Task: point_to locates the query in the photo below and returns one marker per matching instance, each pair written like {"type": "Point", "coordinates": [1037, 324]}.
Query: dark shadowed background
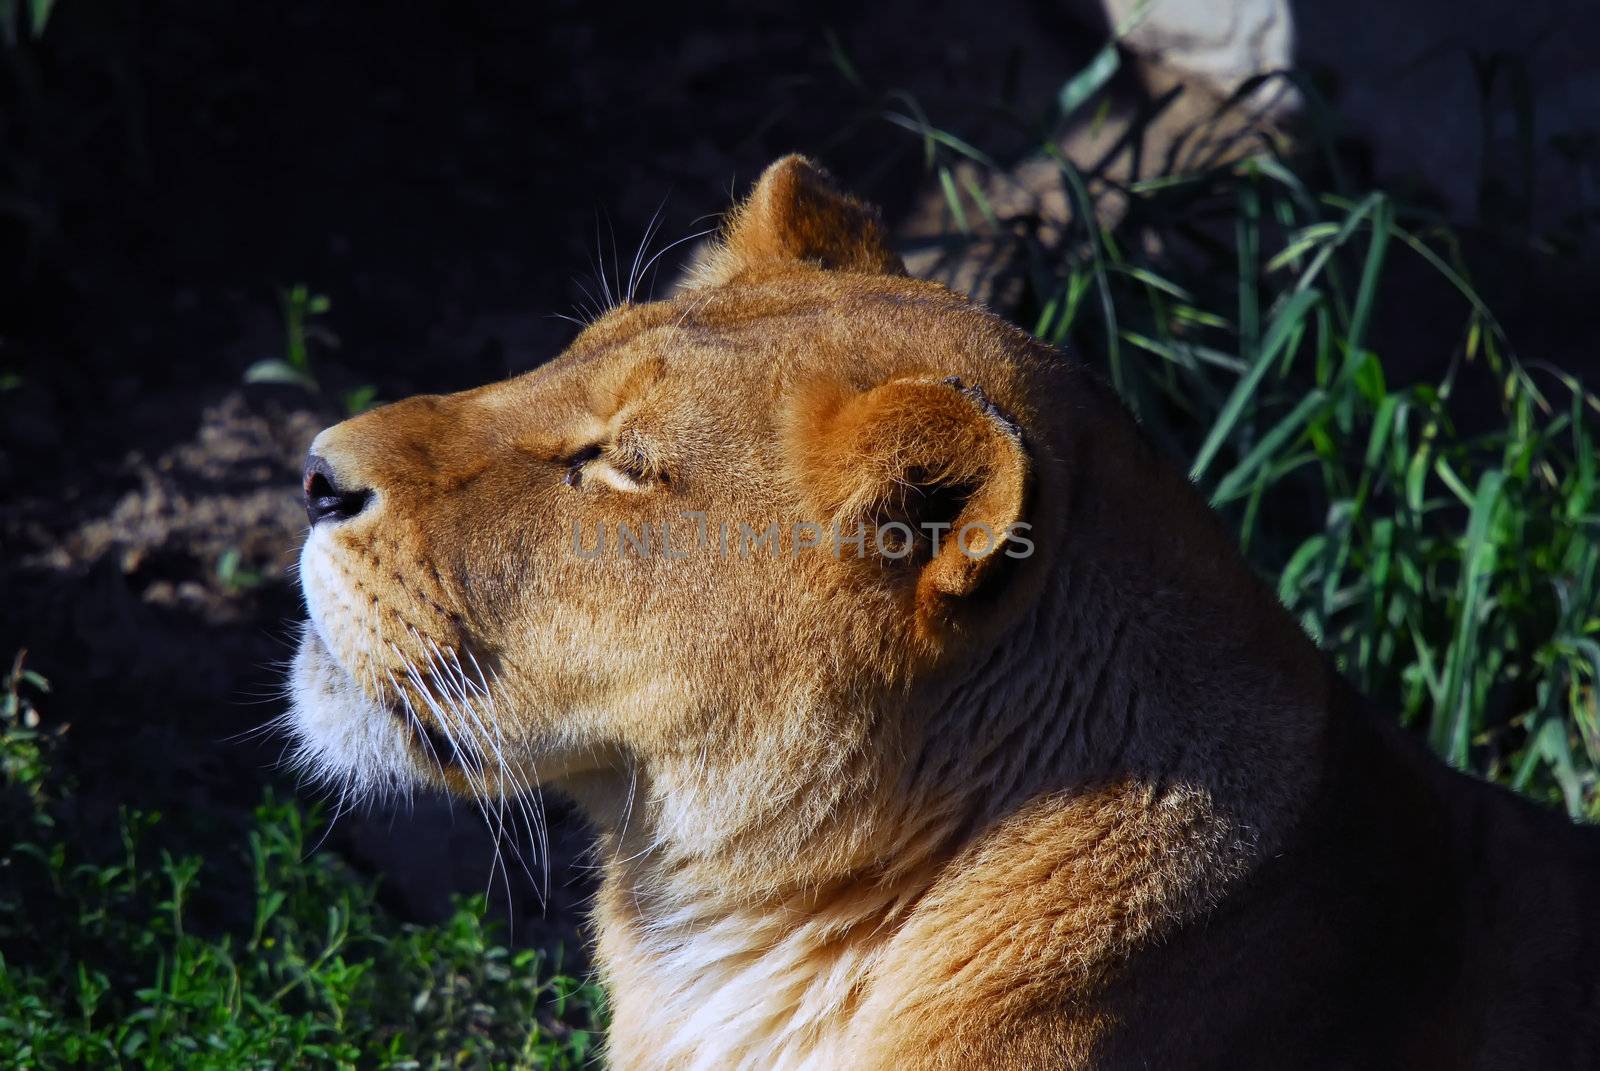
{"type": "Point", "coordinates": [451, 177]}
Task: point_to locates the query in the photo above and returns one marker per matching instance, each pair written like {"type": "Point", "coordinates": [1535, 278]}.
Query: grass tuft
{"type": "Point", "coordinates": [276, 957]}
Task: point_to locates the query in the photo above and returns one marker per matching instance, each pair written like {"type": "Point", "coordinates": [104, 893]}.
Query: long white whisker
{"type": "Point", "coordinates": [616, 270]}
{"type": "Point", "coordinates": [627, 806]}
{"type": "Point", "coordinates": [671, 246]}
{"type": "Point", "coordinates": [468, 754]}
{"type": "Point", "coordinates": [454, 700]}
{"type": "Point", "coordinates": [470, 689]}
{"type": "Point", "coordinates": [411, 717]}
{"type": "Point", "coordinates": [456, 684]}
{"type": "Point", "coordinates": [644, 243]}
{"type": "Point", "coordinates": [340, 810]}
{"type": "Point", "coordinates": [593, 307]}
{"type": "Point", "coordinates": [600, 263]}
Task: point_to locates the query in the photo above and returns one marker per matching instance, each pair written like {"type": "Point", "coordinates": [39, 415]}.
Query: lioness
{"type": "Point", "coordinates": [929, 716]}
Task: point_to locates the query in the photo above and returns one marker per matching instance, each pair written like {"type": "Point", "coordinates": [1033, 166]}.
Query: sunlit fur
{"type": "Point", "coordinates": [948, 811]}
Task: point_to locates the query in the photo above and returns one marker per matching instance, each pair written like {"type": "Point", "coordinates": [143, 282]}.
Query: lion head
{"type": "Point", "coordinates": [723, 542]}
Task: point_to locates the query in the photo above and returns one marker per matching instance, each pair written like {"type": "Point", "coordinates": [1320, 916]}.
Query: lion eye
{"type": "Point", "coordinates": [628, 472]}
{"type": "Point", "coordinates": [577, 461]}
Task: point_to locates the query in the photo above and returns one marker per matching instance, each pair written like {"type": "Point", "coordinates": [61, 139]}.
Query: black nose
{"type": "Point", "coordinates": [326, 498]}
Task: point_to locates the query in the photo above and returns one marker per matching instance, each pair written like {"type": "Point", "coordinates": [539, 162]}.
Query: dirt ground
{"type": "Point", "coordinates": [447, 175]}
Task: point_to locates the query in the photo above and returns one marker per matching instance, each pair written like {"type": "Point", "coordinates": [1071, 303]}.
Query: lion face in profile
{"type": "Point", "coordinates": [722, 541]}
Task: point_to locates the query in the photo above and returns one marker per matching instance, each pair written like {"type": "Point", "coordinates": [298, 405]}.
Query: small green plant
{"type": "Point", "coordinates": [234, 574]}
{"type": "Point", "coordinates": [143, 955]}
{"type": "Point", "coordinates": [359, 399]}
{"type": "Point", "coordinates": [304, 334]}
{"type": "Point", "coordinates": [301, 332]}
{"type": "Point", "coordinates": [22, 741]}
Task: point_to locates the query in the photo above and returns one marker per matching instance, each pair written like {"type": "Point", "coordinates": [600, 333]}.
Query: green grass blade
{"type": "Point", "coordinates": [1235, 483]}
{"type": "Point", "coordinates": [1247, 235]}
{"type": "Point", "coordinates": [1285, 325]}
{"type": "Point", "coordinates": [1089, 81]}
{"type": "Point", "coordinates": [1453, 718]}
{"type": "Point", "coordinates": [953, 199]}
{"type": "Point", "coordinates": [1371, 272]}
{"type": "Point", "coordinates": [1108, 309]}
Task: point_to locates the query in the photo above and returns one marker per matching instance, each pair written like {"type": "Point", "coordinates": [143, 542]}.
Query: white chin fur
{"type": "Point", "coordinates": [342, 737]}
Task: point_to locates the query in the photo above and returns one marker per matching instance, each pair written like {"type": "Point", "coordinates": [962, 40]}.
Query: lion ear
{"type": "Point", "coordinates": [935, 456]}
{"type": "Point", "coordinates": [796, 213]}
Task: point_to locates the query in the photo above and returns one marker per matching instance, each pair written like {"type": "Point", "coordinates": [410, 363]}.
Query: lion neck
{"type": "Point", "coordinates": [744, 943]}
{"type": "Point", "coordinates": [712, 983]}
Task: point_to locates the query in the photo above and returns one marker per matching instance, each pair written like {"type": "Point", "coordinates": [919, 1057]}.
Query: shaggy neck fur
{"type": "Point", "coordinates": [700, 981]}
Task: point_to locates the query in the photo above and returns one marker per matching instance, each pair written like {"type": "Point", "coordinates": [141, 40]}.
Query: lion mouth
{"type": "Point", "coordinates": [432, 742]}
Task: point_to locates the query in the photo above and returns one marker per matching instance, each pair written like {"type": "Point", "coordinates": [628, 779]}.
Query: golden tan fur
{"type": "Point", "coordinates": [969, 807]}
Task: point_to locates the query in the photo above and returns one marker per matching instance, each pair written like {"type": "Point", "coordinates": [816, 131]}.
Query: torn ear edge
{"type": "Point", "coordinates": [796, 214]}
{"type": "Point", "coordinates": [936, 455]}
